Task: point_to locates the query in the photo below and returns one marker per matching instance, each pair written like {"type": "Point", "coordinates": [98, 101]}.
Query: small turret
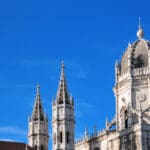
{"type": "Point", "coordinates": [38, 113]}
{"type": "Point", "coordinates": [62, 94]}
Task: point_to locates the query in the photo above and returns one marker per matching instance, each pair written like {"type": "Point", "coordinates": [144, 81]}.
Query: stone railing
{"type": "Point", "coordinates": [135, 72]}
{"type": "Point", "coordinates": [91, 136]}
{"type": "Point", "coordinates": [141, 71]}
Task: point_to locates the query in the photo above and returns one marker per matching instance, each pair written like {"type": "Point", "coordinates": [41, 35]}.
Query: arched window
{"type": "Point", "coordinates": [124, 117]}
{"type": "Point", "coordinates": [61, 137]}
{"type": "Point", "coordinates": [67, 136]}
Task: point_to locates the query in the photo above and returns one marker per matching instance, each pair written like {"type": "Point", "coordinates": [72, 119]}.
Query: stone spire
{"type": "Point", "coordinates": [38, 113]}
{"type": "Point", "coordinates": [107, 124]}
{"type": "Point", "coordinates": [38, 125]}
{"type": "Point", "coordinates": [62, 93]}
{"type": "Point", "coordinates": [86, 134]}
{"type": "Point", "coordinates": [140, 32]}
{"type": "Point", "coordinates": [63, 117]}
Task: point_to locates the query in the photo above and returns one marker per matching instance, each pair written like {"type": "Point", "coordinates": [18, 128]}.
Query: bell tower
{"type": "Point", "coordinates": [63, 117]}
{"type": "Point", "coordinates": [38, 125]}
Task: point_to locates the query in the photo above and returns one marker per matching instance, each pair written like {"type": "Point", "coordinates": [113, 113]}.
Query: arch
{"type": "Point", "coordinates": [140, 54]}
{"type": "Point", "coordinates": [124, 117]}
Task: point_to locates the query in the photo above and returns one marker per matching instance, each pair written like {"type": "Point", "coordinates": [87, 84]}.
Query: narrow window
{"type": "Point", "coordinates": [126, 119]}
{"type": "Point", "coordinates": [42, 147]}
{"type": "Point", "coordinates": [35, 147]}
{"type": "Point", "coordinates": [67, 135]}
{"type": "Point", "coordinates": [61, 137]}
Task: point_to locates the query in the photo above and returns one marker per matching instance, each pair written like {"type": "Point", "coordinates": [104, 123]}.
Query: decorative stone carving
{"type": "Point", "coordinates": [141, 97]}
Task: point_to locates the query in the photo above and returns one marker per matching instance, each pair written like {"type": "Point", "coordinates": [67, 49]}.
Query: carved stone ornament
{"type": "Point", "coordinates": [141, 97]}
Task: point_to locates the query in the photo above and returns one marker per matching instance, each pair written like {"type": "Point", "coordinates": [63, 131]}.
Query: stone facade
{"type": "Point", "coordinates": [131, 124]}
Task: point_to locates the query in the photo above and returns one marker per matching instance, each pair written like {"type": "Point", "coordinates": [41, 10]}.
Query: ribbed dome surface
{"type": "Point", "coordinates": [137, 53]}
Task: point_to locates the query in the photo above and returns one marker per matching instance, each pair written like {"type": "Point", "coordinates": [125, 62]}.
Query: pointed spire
{"type": "Point", "coordinates": [37, 89]}
{"type": "Point", "coordinates": [38, 113]}
{"type": "Point", "coordinates": [107, 124]}
{"type": "Point", "coordinates": [62, 66]}
{"type": "Point", "coordinates": [95, 129]}
{"type": "Point", "coordinates": [86, 133]}
{"type": "Point", "coordinates": [62, 93]}
{"type": "Point", "coordinates": [140, 32]}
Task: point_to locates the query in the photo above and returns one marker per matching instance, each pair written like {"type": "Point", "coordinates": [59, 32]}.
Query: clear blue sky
{"type": "Point", "coordinates": [35, 36]}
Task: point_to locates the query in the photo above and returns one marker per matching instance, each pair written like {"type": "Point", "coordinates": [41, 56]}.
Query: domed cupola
{"type": "Point", "coordinates": [136, 54]}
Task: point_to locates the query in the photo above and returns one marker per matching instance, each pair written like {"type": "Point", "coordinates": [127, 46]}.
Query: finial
{"type": "Point", "coordinates": [140, 32]}
{"type": "Point", "coordinates": [38, 89]}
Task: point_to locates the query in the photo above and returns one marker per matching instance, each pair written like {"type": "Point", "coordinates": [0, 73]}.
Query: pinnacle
{"type": "Point", "coordinates": [62, 94]}
{"type": "Point", "coordinates": [38, 113]}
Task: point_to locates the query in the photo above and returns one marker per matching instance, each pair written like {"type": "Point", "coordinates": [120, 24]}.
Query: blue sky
{"type": "Point", "coordinates": [35, 36]}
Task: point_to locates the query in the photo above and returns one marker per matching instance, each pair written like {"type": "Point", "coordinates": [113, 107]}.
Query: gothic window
{"type": "Point", "coordinates": [124, 118]}
{"type": "Point", "coordinates": [61, 137]}
{"type": "Point", "coordinates": [68, 138]}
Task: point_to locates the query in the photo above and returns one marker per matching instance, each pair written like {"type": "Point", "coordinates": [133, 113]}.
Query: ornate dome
{"type": "Point", "coordinates": [136, 55]}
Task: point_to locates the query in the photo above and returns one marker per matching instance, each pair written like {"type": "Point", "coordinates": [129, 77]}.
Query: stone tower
{"type": "Point", "coordinates": [38, 125]}
{"type": "Point", "coordinates": [132, 92]}
{"type": "Point", "coordinates": [63, 117]}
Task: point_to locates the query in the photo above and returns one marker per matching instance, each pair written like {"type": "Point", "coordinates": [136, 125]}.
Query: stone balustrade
{"type": "Point", "coordinates": [141, 71]}
{"type": "Point", "coordinates": [134, 72]}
